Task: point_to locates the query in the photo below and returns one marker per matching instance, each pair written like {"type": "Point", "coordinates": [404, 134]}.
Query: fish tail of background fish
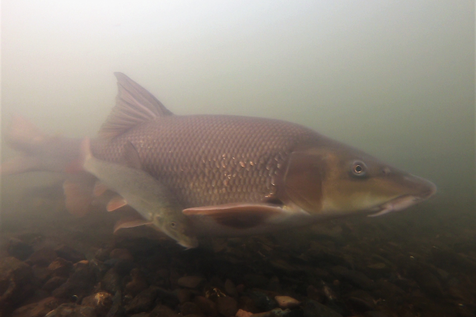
{"type": "Point", "coordinates": [39, 151]}
{"type": "Point", "coordinates": [42, 152]}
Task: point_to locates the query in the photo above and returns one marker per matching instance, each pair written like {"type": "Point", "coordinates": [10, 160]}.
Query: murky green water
{"type": "Point", "coordinates": [395, 79]}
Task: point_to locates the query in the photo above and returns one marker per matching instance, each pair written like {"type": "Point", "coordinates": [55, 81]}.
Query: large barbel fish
{"type": "Point", "coordinates": [233, 175]}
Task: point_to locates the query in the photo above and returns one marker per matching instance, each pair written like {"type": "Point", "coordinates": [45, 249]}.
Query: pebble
{"type": "Point", "coordinates": [72, 310]}
{"type": "Point", "coordinates": [189, 308]}
{"type": "Point", "coordinates": [163, 311]}
{"type": "Point", "coordinates": [111, 281]}
{"type": "Point", "coordinates": [69, 253]}
{"type": "Point", "coordinates": [19, 249]}
{"type": "Point", "coordinates": [247, 304]}
{"type": "Point", "coordinates": [79, 283]}
{"type": "Point", "coordinates": [121, 254]}
{"type": "Point", "coordinates": [15, 279]}
{"type": "Point", "coordinates": [190, 281]}
{"type": "Point", "coordinates": [37, 309]}
{"type": "Point", "coordinates": [137, 284]}
{"type": "Point", "coordinates": [286, 301]}
{"type": "Point", "coordinates": [274, 284]}
{"type": "Point", "coordinates": [166, 296]}
{"type": "Point", "coordinates": [361, 300]}
{"type": "Point", "coordinates": [54, 283]}
{"type": "Point", "coordinates": [357, 278]}
{"type": "Point", "coordinates": [261, 300]}
{"type": "Point", "coordinates": [256, 281]}
{"type": "Point", "coordinates": [312, 309]}
{"type": "Point", "coordinates": [230, 288]}
{"type": "Point", "coordinates": [206, 305]}
{"type": "Point", "coordinates": [277, 312]}
{"type": "Point", "coordinates": [313, 293]}
{"type": "Point", "coordinates": [429, 283]}
{"type": "Point", "coordinates": [184, 295]}
{"type": "Point", "coordinates": [143, 314]}
{"type": "Point", "coordinates": [319, 254]}
{"type": "Point", "coordinates": [42, 257]}
{"type": "Point", "coordinates": [375, 314]}
{"type": "Point", "coordinates": [60, 267]}
{"type": "Point", "coordinates": [101, 302]}
{"type": "Point", "coordinates": [41, 273]}
{"type": "Point", "coordinates": [102, 254]}
{"type": "Point", "coordinates": [227, 306]}
{"type": "Point", "coordinates": [143, 301]}
{"type": "Point", "coordinates": [243, 313]}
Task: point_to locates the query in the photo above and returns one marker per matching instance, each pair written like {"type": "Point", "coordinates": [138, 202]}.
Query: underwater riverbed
{"type": "Point", "coordinates": [55, 265]}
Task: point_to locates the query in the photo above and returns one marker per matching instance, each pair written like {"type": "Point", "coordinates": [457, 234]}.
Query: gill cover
{"type": "Point", "coordinates": [303, 180]}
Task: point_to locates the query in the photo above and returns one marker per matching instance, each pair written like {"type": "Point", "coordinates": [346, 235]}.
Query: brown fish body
{"type": "Point", "coordinates": [233, 175]}
{"type": "Point", "coordinates": [209, 160]}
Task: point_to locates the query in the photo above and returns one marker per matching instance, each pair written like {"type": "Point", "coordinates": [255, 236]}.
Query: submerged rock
{"type": "Point", "coordinates": [37, 309]}
{"type": "Point", "coordinates": [163, 311]}
{"type": "Point", "coordinates": [78, 284]}
{"type": "Point", "coordinates": [15, 282]}
{"type": "Point", "coordinates": [101, 302]}
{"type": "Point", "coordinates": [227, 306]}
{"type": "Point", "coordinates": [143, 301]}
{"type": "Point", "coordinates": [19, 249]}
{"type": "Point", "coordinates": [72, 310]}
{"type": "Point", "coordinates": [54, 283]}
{"type": "Point", "coordinates": [361, 300]}
{"type": "Point", "coordinates": [69, 253]}
{"type": "Point", "coordinates": [277, 312]}
{"type": "Point", "coordinates": [206, 305]}
{"type": "Point", "coordinates": [190, 281]}
{"type": "Point", "coordinates": [261, 300]}
{"type": "Point", "coordinates": [313, 309]}
{"type": "Point", "coordinates": [286, 301]}
{"type": "Point", "coordinates": [42, 257]}
{"type": "Point", "coordinates": [189, 308]}
{"type": "Point", "coordinates": [60, 267]}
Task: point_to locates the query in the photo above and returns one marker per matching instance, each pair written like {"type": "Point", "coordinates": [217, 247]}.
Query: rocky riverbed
{"type": "Point", "coordinates": [54, 265]}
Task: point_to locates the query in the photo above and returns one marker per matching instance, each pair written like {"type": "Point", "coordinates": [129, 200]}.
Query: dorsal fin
{"type": "Point", "coordinates": [134, 105]}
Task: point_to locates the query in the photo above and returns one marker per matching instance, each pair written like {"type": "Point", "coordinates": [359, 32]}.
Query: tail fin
{"type": "Point", "coordinates": [24, 137]}
{"type": "Point", "coordinates": [38, 151]}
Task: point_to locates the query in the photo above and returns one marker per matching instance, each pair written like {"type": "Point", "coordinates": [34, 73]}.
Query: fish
{"type": "Point", "coordinates": [233, 175]}
{"type": "Point", "coordinates": [136, 188]}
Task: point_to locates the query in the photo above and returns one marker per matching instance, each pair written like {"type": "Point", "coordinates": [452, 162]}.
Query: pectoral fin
{"type": "Point", "coordinates": [130, 222]}
{"type": "Point", "coordinates": [238, 216]}
{"type": "Point", "coordinates": [115, 203]}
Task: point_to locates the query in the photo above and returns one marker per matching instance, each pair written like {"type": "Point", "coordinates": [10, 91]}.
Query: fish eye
{"type": "Point", "coordinates": [359, 168]}
{"type": "Point", "coordinates": [173, 224]}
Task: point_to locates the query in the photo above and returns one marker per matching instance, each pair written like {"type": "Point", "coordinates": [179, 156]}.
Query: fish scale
{"type": "Point", "coordinates": [211, 160]}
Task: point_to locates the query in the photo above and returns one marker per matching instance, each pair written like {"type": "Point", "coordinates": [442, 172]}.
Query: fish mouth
{"type": "Point", "coordinates": [402, 202]}
{"type": "Point", "coordinates": [188, 243]}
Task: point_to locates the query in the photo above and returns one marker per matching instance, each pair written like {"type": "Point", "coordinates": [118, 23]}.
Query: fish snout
{"type": "Point", "coordinates": [189, 242]}
{"type": "Point", "coordinates": [422, 189]}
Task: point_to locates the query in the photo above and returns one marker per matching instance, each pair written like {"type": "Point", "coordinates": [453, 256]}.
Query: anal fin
{"type": "Point", "coordinates": [130, 222]}
{"type": "Point", "coordinates": [99, 189]}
